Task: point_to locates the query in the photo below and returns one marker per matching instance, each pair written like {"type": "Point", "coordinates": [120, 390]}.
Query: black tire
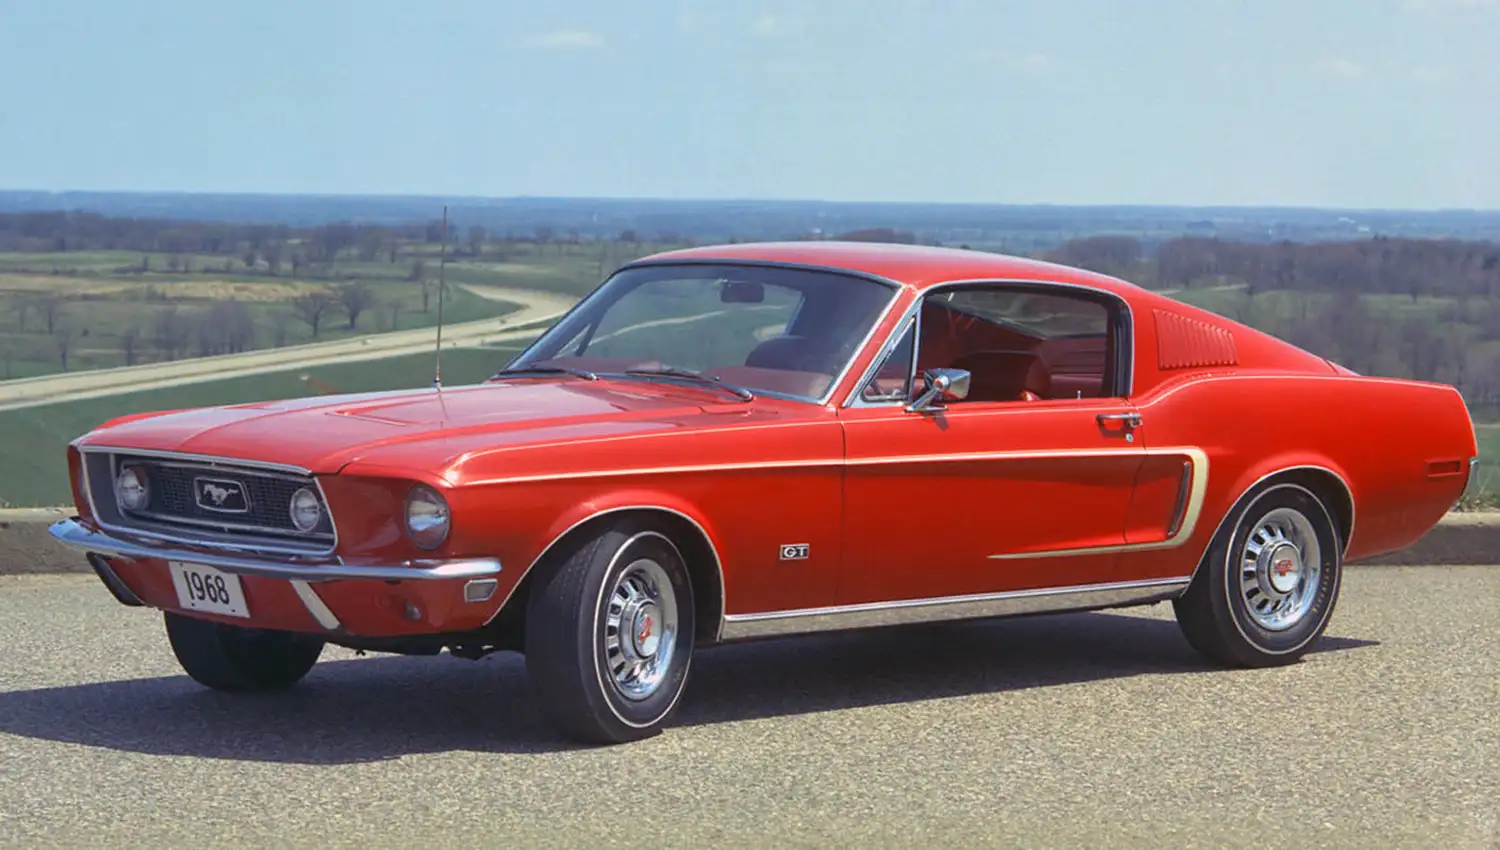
{"type": "Point", "coordinates": [568, 616]}
{"type": "Point", "coordinates": [1215, 613]}
{"type": "Point", "coordinates": [239, 659]}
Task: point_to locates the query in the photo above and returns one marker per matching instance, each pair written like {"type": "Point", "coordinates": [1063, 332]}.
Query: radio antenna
{"type": "Point", "coordinates": [437, 367]}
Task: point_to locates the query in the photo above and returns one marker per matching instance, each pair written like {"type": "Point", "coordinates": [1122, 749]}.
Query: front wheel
{"type": "Point", "coordinates": [1268, 584]}
{"type": "Point", "coordinates": [239, 659]}
{"type": "Point", "coordinates": [609, 634]}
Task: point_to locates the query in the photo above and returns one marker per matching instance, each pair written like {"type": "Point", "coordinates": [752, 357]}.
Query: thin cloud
{"type": "Point", "coordinates": [567, 40]}
{"type": "Point", "coordinates": [1339, 68]}
{"type": "Point", "coordinates": [1027, 64]}
{"type": "Point", "coordinates": [775, 26]}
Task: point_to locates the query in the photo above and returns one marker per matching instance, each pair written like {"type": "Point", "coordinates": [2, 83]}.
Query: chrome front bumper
{"type": "Point", "coordinates": [72, 533]}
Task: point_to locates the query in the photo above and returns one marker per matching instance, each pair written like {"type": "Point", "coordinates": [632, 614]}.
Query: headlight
{"type": "Point", "coordinates": [131, 490]}
{"type": "Point", "coordinates": [426, 517]}
{"type": "Point", "coordinates": [306, 510]}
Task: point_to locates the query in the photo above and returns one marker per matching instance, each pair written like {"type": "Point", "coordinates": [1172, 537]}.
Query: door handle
{"type": "Point", "coordinates": [1133, 420]}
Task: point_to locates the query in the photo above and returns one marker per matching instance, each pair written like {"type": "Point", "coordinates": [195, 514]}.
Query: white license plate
{"type": "Point", "coordinates": [206, 589]}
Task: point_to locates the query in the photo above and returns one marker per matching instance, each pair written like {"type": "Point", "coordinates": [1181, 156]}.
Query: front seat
{"type": "Point", "coordinates": [1005, 375]}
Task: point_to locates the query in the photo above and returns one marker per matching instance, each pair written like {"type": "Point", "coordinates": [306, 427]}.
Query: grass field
{"type": "Point", "coordinates": [98, 324]}
{"type": "Point", "coordinates": [33, 467]}
{"type": "Point", "coordinates": [99, 309]}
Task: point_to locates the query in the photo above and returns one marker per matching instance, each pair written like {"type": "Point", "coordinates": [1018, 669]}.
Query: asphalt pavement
{"type": "Point", "coordinates": [1088, 730]}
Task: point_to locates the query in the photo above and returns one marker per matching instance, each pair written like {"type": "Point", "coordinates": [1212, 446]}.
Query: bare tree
{"type": "Point", "coordinates": [355, 298]}
{"type": "Point", "coordinates": [22, 305]}
{"type": "Point", "coordinates": [312, 308]}
{"type": "Point", "coordinates": [52, 310]}
{"type": "Point", "coordinates": [130, 341]}
{"type": "Point", "coordinates": [278, 327]}
{"type": "Point", "coordinates": [476, 239]}
{"type": "Point", "coordinates": [170, 334]}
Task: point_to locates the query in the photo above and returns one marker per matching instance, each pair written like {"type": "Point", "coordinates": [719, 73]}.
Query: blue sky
{"type": "Point", "coordinates": [1366, 103]}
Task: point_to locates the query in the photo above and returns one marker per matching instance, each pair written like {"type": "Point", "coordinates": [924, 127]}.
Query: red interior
{"type": "Point", "coordinates": [1006, 365]}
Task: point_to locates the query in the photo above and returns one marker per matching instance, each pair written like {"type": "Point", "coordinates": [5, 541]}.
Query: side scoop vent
{"type": "Point", "coordinates": [1183, 343]}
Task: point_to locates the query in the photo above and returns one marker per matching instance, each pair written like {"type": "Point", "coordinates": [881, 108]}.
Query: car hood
{"type": "Point", "coordinates": [430, 427]}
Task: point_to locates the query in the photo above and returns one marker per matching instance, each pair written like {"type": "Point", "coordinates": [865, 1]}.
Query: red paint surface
{"type": "Point", "coordinates": [876, 494]}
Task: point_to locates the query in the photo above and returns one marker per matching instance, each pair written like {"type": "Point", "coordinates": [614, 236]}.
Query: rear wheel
{"type": "Point", "coordinates": [235, 658]}
{"type": "Point", "coordinates": [609, 634]}
{"type": "Point", "coordinates": [1268, 584]}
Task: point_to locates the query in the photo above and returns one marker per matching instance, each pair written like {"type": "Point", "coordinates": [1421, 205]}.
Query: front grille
{"type": "Point", "coordinates": [175, 492]}
{"type": "Point", "coordinates": [211, 502]}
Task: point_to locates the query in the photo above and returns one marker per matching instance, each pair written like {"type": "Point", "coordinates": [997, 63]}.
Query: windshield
{"type": "Point", "coordinates": [783, 332]}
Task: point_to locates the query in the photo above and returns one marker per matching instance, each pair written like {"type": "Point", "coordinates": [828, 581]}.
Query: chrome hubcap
{"type": "Point", "coordinates": [1280, 569]}
{"type": "Point", "coordinates": [640, 629]}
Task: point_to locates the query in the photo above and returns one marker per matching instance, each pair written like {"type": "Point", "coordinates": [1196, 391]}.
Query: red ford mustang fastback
{"type": "Point", "coordinates": [742, 441]}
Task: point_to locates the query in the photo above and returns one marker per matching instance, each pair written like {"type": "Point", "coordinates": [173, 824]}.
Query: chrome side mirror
{"type": "Point", "coordinates": [940, 385]}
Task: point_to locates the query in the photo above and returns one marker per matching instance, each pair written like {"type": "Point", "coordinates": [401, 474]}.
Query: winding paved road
{"type": "Point", "coordinates": [535, 306]}
{"type": "Point", "coordinates": [1090, 730]}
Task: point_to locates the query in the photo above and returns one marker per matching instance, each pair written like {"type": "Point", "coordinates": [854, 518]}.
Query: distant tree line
{"type": "Point", "coordinates": [1452, 337]}
{"type": "Point", "coordinates": [1450, 268]}
{"type": "Point", "coordinates": [272, 248]}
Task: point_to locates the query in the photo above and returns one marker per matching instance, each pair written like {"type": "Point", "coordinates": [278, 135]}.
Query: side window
{"type": "Point", "coordinates": [892, 380]}
{"type": "Point", "coordinates": [1021, 344]}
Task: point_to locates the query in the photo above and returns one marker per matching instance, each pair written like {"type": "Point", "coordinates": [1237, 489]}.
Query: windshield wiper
{"type": "Point", "coordinates": [679, 372]}
{"type": "Point", "coordinates": [547, 370]}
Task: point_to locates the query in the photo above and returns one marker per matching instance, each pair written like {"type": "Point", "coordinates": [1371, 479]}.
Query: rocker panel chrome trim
{"type": "Point", "coordinates": [1010, 603]}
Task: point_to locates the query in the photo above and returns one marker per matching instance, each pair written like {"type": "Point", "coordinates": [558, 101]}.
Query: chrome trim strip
{"type": "Point", "coordinates": [855, 398]}
{"type": "Point", "coordinates": [71, 532]}
{"type": "Point", "coordinates": [914, 310]}
{"type": "Point", "coordinates": [1179, 507]}
{"type": "Point", "coordinates": [212, 460]}
{"type": "Point", "coordinates": [1009, 603]}
{"type": "Point", "coordinates": [1189, 524]}
{"type": "Point", "coordinates": [1469, 481]}
{"type": "Point", "coordinates": [718, 562]}
{"type": "Point", "coordinates": [840, 462]}
{"type": "Point", "coordinates": [249, 543]}
{"type": "Point", "coordinates": [299, 478]}
{"type": "Point", "coordinates": [167, 521]}
{"type": "Point", "coordinates": [315, 606]}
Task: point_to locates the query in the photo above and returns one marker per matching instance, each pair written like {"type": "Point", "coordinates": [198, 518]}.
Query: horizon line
{"type": "Point", "coordinates": [450, 198]}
